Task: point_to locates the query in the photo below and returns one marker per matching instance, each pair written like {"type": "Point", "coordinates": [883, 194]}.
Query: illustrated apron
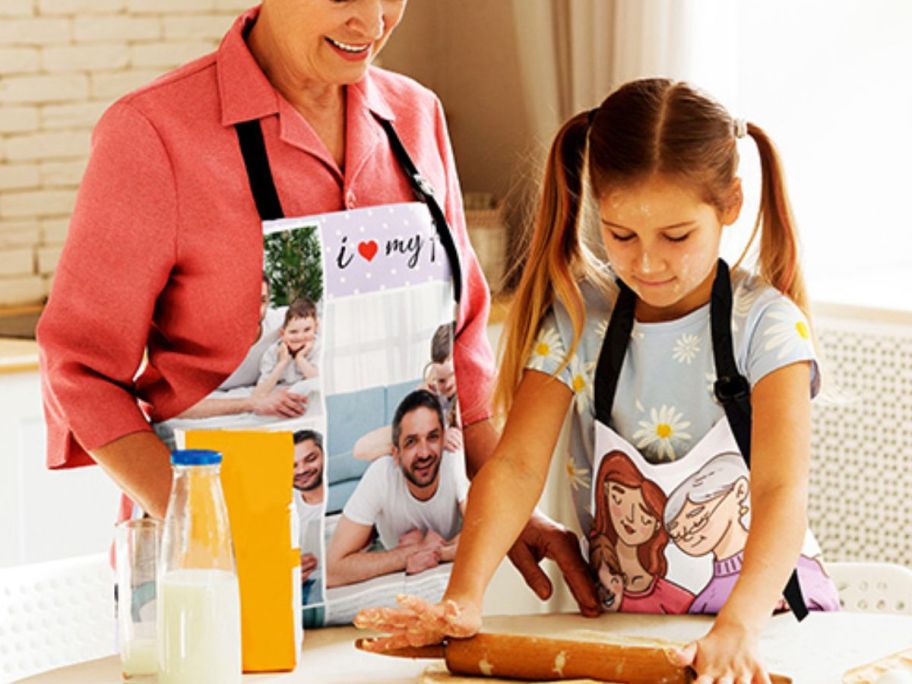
{"type": "Point", "coordinates": [366, 303]}
{"type": "Point", "coordinates": [669, 538]}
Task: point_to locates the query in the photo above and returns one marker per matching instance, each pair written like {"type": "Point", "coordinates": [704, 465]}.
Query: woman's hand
{"type": "Point", "coordinates": [543, 538]}
{"type": "Point", "coordinates": [726, 655]}
{"type": "Point", "coordinates": [418, 623]}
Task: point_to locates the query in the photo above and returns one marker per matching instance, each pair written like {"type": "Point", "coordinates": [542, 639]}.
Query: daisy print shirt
{"type": "Point", "coordinates": [664, 402]}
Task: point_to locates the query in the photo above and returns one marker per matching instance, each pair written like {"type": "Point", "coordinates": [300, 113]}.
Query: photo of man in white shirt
{"type": "Point", "coordinates": [414, 497]}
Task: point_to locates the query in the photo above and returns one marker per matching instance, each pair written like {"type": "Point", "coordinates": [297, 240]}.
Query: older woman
{"type": "Point", "coordinates": [164, 254]}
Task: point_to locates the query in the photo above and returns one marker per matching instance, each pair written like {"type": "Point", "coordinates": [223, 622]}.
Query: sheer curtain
{"type": "Point", "coordinates": [573, 52]}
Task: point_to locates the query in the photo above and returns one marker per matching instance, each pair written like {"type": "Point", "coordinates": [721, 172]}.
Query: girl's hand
{"type": "Point", "coordinates": [418, 623]}
{"type": "Point", "coordinates": [284, 355]}
{"type": "Point", "coordinates": [726, 655]}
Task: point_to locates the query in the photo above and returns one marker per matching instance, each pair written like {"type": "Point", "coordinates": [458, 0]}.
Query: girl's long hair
{"type": "Point", "coordinates": [650, 127]}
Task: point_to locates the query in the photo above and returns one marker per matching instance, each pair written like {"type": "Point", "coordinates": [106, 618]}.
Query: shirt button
{"type": "Point", "coordinates": [350, 199]}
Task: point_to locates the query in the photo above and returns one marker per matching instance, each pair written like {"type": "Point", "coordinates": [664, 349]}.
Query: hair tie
{"type": "Point", "coordinates": [740, 128]}
{"type": "Point", "coordinates": [590, 116]}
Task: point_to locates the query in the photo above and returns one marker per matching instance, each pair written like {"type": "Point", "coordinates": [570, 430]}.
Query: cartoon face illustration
{"type": "Point", "coordinates": [710, 511]}
{"type": "Point", "coordinates": [603, 559]}
{"type": "Point", "coordinates": [611, 589]}
{"type": "Point", "coordinates": [631, 518]}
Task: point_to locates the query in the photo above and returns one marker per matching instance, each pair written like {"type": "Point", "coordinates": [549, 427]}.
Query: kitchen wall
{"type": "Point", "coordinates": [61, 63]}
{"type": "Point", "coordinates": [465, 50]}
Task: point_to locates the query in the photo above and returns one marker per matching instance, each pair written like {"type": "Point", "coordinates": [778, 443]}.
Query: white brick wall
{"type": "Point", "coordinates": [62, 62]}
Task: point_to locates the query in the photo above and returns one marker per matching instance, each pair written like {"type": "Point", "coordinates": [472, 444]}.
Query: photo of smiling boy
{"type": "Point", "coordinates": [293, 357]}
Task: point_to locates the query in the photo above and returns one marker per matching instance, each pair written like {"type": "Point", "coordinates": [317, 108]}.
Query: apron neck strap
{"type": "Point", "coordinates": [424, 192]}
{"type": "Point", "coordinates": [611, 356]}
{"type": "Point", "coordinates": [259, 175]}
{"type": "Point", "coordinates": [731, 388]}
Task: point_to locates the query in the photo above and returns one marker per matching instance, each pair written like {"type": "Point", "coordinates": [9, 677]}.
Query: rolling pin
{"type": "Point", "coordinates": [543, 658]}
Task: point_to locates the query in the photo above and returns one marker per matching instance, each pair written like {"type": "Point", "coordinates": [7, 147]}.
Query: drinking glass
{"type": "Point", "coordinates": [137, 544]}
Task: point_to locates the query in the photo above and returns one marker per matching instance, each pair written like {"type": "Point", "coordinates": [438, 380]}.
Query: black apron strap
{"type": "Point", "coordinates": [731, 388]}
{"type": "Point", "coordinates": [259, 175]}
{"type": "Point", "coordinates": [425, 193]}
{"type": "Point", "coordinates": [733, 391]}
{"type": "Point", "coordinates": [611, 355]}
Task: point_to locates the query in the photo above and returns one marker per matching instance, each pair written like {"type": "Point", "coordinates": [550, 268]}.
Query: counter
{"type": "Point", "coordinates": [18, 351]}
{"type": "Point", "coordinates": [18, 355]}
{"type": "Point", "coordinates": [819, 650]}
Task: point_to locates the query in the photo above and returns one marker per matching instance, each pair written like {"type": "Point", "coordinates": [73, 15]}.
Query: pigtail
{"type": "Point", "coordinates": [550, 265]}
{"type": "Point", "coordinates": [778, 259]}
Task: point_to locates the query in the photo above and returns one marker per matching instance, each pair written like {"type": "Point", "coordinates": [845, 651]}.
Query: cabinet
{"type": "Point", "coordinates": [45, 515]}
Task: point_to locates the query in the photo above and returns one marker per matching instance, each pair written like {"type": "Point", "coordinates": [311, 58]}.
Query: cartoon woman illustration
{"type": "Point", "coordinates": [709, 512]}
{"type": "Point", "coordinates": [628, 510]}
{"type": "Point", "coordinates": [603, 559]}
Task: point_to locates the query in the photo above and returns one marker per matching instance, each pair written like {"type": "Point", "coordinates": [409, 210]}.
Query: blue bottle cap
{"type": "Point", "coordinates": [195, 457]}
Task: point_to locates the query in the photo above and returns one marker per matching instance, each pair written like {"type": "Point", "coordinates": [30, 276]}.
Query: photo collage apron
{"type": "Point", "coordinates": [669, 537]}
{"type": "Point", "coordinates": [357, 324]}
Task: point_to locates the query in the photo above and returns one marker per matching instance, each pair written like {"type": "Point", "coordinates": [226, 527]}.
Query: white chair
{"type": "Point", "coordinates": [873, 587]}
{"type": "Point", "coordinates": [55, 614]}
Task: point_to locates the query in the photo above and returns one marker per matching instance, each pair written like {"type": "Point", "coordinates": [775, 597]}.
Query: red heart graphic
{"type": "Point", "coordinates": [368, 249]}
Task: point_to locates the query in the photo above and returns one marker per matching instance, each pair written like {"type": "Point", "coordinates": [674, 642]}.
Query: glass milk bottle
{"type": "Point", "coordinates": [199, 616]}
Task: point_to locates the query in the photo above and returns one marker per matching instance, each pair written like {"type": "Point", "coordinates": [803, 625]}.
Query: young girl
{"type": "Point", "coordinates": [668, 357]}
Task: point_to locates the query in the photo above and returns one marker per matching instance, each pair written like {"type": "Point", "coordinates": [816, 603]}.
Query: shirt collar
{"type": "Point", "coordinates": [367, 91]}
{"type": "Point", "coordinates": [244, 90]}
{"type": "Point", "coordinates": [246, 93]}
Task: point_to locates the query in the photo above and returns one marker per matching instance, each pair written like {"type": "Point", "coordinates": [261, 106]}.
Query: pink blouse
{"type": "Point", "coordinates": [164, 253]}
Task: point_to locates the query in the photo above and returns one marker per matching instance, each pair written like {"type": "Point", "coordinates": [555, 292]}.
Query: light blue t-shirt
{"type": "Point", "coordinates": [664, 402]}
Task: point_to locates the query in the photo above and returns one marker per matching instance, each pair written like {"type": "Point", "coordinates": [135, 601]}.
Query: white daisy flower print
{"type": "Point", "coordinates": [686, 348]}
{"type": "Point", "coordinates": [600, 329]}
{"type": "Point", "coordinates": [547, 350]}
{"type": "Point", "coordinates": [791, 332]}
{"type": "Point", "coordinates": [662, 432]}
{"type": "Point", "coordinates": [743, 300]}
{"type": "Point", "coordinates": [578, 477]}
{"type": "Point", "coordinates": [582, 379]}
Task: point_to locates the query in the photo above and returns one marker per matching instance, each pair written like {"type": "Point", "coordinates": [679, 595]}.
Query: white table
{"type": "Point", "coordinates": [819, 650]}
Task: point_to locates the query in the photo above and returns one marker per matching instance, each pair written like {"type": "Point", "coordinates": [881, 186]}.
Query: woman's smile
{"type": "Point", "coordinates": [352, 52]}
